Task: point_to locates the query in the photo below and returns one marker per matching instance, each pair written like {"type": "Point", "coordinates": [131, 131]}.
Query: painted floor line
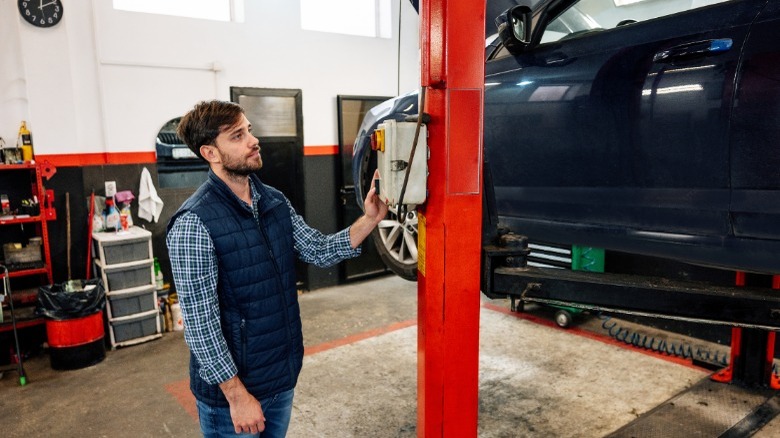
{"type": "Point", "coordinates": [594, 336]}
{"type": "Point", "coordinates": [319, 348]}
{"type": "Point", "coordinates": [180, 390]}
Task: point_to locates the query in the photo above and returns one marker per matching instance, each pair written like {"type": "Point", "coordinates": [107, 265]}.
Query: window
{"type": "Point", "coordinates": [371, 18]}
{"type": "Point", "coordinates": [219, 10]}
{"type": "Point", "coordinates": [587, 16]}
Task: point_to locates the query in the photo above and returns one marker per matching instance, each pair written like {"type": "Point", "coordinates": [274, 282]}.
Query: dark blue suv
{"type": "Point", "coordinates": [646, 127]}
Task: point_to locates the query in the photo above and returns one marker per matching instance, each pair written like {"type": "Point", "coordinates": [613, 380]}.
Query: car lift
{"type": "Point", "coordinates": [733, 402]}
{"type": "Point", "coordinates": [448, 308]}
{"type": "Point", "coordinates": [452, 57]}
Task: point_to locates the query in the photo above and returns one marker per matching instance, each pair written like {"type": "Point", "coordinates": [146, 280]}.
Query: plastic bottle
{"type": "Point", "coordinates": [111, 216]}
{"type": "Point", "coordinates": [178, 321]}
{"type": "Point", "coordinates": [125, 210]}
{"type": "Point", "coordinates": [158, 276]}
{"type": "Point", "coordinates": [25, 143]}
{"type": "Point", "coordinates": [104, 214]}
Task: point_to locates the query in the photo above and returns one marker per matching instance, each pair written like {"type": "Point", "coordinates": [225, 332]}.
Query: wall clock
{"type": "Point", "coordinates": [41, 13]}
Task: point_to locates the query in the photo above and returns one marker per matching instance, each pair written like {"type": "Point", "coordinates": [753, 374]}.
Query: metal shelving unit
{"type": "Point", "coordinates": [11, 180]}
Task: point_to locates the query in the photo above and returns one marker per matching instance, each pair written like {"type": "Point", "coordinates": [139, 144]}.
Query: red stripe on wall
{"type": "Point", "coordinates": [75, 160]}
{"type": "Point", "coordinates": [101, 158]}
{"type": "Point", "coordinates": [320, 150]}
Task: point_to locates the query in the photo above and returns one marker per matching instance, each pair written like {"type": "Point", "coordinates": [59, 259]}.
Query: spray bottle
{"type": "Point", "coordinates": [24, 142]}
{"type": "Point", "coordinates": [111, 216]}
{"type": "Point", "coordinates": [158, 275]}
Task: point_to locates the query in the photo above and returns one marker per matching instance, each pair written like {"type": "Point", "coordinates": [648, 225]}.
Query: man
{"type": "Point", "coordinates": [232, 246]}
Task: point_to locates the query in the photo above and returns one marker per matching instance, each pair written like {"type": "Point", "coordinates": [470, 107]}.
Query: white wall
{"type": "Point", "coordinates": [13, 87]}
{"type": "Point", "coordinates": [106, 81]}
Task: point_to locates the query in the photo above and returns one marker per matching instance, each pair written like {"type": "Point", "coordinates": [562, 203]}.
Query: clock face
{"type": "Point", "coordinates": [41, 13]}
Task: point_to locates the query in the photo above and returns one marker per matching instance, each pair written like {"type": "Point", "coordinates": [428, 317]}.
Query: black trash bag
{"type": "Point", "coordinates": [56, 302]}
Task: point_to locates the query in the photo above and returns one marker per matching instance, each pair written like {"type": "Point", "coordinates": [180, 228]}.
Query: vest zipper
{"type": "Point", "coordinates": [268, 246]}
{"type": "Point", "coordinates": [243, 345]}
{"type": "Point", "coordinates": [284, 297]}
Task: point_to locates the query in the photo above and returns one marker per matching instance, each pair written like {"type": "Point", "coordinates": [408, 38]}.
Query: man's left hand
{"type": "Point", "coordinates": [374, 208]}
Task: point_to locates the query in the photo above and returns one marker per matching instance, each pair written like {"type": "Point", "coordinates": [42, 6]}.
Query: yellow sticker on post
{"type": "Point", "coordinates": [420, 243]}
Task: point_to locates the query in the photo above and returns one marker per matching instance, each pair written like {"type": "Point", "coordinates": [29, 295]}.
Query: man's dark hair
{"type": "Point", "coordinates": [205, 121]}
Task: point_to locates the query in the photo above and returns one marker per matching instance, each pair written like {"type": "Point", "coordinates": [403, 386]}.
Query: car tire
{"type": "Point", "coordinates": [395, 242]}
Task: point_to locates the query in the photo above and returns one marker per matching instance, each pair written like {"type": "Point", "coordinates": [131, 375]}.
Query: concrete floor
{"type": "Point", "coordinates": [359, 377]}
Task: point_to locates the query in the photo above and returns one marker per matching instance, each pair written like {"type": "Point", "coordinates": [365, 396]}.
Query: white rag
{"type": "Point", "coordinates": [149, 204]}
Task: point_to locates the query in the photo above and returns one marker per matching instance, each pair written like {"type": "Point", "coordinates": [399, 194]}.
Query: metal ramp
{"type": "Point", "coordinates": [707, 409]}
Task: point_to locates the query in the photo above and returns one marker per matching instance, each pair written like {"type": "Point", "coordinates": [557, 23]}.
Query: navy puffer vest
{"type": "Point", "coordinates": [257, 294]}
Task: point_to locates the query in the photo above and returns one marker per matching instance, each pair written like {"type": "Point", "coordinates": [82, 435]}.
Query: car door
{"type": "Point", "coordinates": [613, 130]}
{"type": "Point", "coordinates": [756, 133]}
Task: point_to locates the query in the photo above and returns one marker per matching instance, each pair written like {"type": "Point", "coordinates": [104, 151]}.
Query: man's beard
{"type": "Point", "coordinates": [239, 167]}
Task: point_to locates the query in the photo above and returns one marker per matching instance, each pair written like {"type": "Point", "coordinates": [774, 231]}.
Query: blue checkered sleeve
{"type": "Point", "coordinates": [194, 265]}
{"type": "Point", "coordinates": [319, 249]}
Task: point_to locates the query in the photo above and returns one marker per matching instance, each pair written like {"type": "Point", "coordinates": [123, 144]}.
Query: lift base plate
{"type": "Point", "coordinates": [707, 409]}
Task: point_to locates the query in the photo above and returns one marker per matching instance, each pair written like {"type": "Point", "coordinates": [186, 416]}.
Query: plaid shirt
{"type": "Point", "coordinates": [194, 265]}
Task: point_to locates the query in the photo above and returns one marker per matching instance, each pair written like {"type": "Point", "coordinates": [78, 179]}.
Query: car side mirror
{"type": "Point", "coordinates": [514, 28]}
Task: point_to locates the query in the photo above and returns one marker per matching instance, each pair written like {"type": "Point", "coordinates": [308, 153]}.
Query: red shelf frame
{"type": "Point", "coordinates": [37, 190]}
{"type": "Point", "coordinates": [28, 166]}
{"type": "Point", "coordinates": [25, 272]}
{"type": "Point", "coordinates": [20, 220]}
{"type": "Point", "coordinates": [7, 326]}
{"type": "Point", "coordinates": [47, 213]}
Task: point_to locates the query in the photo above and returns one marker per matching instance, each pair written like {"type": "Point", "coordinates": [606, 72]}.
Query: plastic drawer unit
{"type": "Point", "coordinates": [125, 262]}
{"type": "Point", "coordinates": [134, 329]}
{"type": "Point", "coordinates": [126, 275]}
{"type": "Point", "coordinates": [131, 301]}
{"type": "Point", "coordinates": [113, 248]}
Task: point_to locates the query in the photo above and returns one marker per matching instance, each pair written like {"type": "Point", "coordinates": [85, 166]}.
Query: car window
{"type": "Point", "coordinates": [586, 17]}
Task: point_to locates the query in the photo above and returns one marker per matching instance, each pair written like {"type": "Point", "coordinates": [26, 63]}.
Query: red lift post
{"type": "Point", "coordinates": [452, 44]}
{"type": "Point", "coordinates": [746, 364]}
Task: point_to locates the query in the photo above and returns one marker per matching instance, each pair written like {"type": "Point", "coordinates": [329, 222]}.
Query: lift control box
{"type": "Point", "coordinates": [393, 142]}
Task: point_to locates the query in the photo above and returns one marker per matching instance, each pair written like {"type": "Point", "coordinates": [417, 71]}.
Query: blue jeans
{"type": "Point", "coordinates": [216, 422]}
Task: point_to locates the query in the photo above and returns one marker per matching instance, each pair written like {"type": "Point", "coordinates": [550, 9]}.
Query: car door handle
{"type": "Point", "coordinates": [557, 59]}
{"type": "Point", "coordinates": [346, 193]}
{"type": "Point", "coordinates": [690, 50]}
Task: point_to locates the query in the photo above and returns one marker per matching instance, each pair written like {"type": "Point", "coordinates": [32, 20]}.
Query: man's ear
{"type": "Point", "coordinates": [209, 153]}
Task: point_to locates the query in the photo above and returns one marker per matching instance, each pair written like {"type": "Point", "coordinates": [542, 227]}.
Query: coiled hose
{"type": "Point", "coordinates": [679, 349]}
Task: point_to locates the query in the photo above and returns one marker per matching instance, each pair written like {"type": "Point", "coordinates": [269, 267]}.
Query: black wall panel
{"type": "Point", "coordinates": [320, 212]}
{"type": "Point", "coordinates": [321, 209]}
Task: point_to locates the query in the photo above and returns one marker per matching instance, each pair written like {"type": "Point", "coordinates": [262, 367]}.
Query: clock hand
{"type": "Point", "coordinates": [47, 4]}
